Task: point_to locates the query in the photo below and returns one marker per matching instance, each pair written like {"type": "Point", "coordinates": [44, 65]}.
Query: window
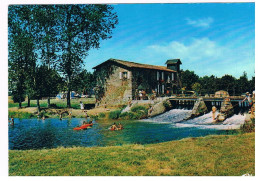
{"type": "Point", "coordinates": [163, 89]}
{"type": "Point", "coordinates": [158, 75]}
{"type": "Point", "coordinates": [162, 75]}
{"type": "Point", "coordinates": [172, 76]}
{"type": "Point", "coordinates": [124, 75]}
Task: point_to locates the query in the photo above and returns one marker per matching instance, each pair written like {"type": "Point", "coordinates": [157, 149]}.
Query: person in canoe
{"type": "Point", "coordinates": [113, 127]}
{"type": "Point", "coordinates": [120, 126]}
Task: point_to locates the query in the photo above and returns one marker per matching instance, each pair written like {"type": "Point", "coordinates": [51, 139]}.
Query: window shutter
{"type": "Point", "coordinates": [120, 75]}
{"type": "Point", "coordinates": [162, 88]}
{"type": "Point", "coordinates": [162, 75]}
{"type": "Point", "coordinates": [128, 74]}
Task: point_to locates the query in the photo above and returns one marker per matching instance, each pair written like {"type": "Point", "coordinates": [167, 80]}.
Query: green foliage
{"type": "Point", "coordinates": [188, 78]}
{"type": "Point", "coordinates": [196, 87]}
{"type": "Point", "coordinates": [84, 82]}
{"type": "Point", "coordinates": [114, 114]}
{"type": "Point", "coordinates": [95, 117]}
{"type": "Point", "coordinates": [167, 105]}
{"type": "Point", "coordinates": [138, 112]}
{"type": "Point", "coordinates": [248, 126]}
{"type": "Point", "coordinates": [124, 115]}
{"type": "Point", "coordinates": [101, 115]}
{"type": "Point", "coordinates": [138, 108]}
{"type": "Point", "coordinates": [21, 115]}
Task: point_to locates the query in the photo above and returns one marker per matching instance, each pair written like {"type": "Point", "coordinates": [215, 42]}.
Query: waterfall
{"type": "Point", "coordinates": [174, 117]}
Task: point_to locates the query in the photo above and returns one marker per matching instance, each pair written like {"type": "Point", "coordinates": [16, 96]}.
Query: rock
{"type": "Point", "coordinates": [159, 108]}
{"type": "Point", "coordinates": [199, 108]}
{"type": "Point", "coordinates": [226, 110]}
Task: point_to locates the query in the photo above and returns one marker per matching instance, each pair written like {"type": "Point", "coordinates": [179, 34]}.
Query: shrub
{"type": "Point", "coordinates": [21, 115]}
{"type": "Point", "coordinates": [248, 127]}
{"type": "Point", "coordinates": [167, 105]}
{"type": "Point", "coordinates": [132, 115]}
{"type": "Point", "coordinates": [114, 114]}
{"type": "Point", "coordinates": [140, 112]}
{"type": "Point", "coordinates": [124, 115]}
{"type": "Point", "coordinates": [138, 108]}
{"type": "Point", "coordinates": [101, 115]}
{"type": "Point", "coordinates": [94, 116]}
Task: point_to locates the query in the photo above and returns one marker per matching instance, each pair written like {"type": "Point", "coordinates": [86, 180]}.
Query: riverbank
{"type": "Point", "coordinates": [232, 155]}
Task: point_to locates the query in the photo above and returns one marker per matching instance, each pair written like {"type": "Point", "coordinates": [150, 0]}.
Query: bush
{"type": "Point", "coordinates": [21, 115]}
{"type": "Point", "coordinates": [138, 108]}
{"type": "Point", "coordinates": [114, 114]}
{"type": "Point", "coordinates": [167, 105]}
{"type": "Point", "coordinates": [124, 115]}
{"type": "Point", "coordinates": [101, 115]}
{"type": "Point", "coordinates": [140, 112]}
{"type": "Point", "coordinates": [248, 127]}
{"type": "Point", "coordinates": [93, 116]}
{"type": "Point", "coordinates": [132, 115]}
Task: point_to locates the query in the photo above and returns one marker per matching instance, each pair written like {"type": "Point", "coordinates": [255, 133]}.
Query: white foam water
{"type": "Point", "coordinates": [172, 116]}
{"type": "Point", "coordinates": [176, 117]}
{"type": "Point", "coordinates": [206, 122]}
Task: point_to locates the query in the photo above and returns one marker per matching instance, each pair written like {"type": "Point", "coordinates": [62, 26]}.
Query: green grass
{"type": "Point", "coordinates": [21, 115]}
{"type": "Point", "coordinates": [56, 103]}
{"type": "Point", "coordinates": [210, 155]}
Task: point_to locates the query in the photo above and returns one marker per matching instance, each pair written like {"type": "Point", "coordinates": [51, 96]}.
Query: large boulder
{"type": "Point", "coordinates": [226, 110]}
{"type": "Point", "coordinates": [199, 108]}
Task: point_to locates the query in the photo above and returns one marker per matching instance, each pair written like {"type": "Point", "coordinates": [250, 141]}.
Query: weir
{"type": "Point", "coordinates": [189, 102]}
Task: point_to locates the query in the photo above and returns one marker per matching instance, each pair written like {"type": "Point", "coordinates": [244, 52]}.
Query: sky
{"type": "Point", "coordinates": [209, 38]}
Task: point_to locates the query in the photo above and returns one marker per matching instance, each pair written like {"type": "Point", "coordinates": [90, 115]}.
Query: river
{"type": "Point", "coordinates": [53, 133]}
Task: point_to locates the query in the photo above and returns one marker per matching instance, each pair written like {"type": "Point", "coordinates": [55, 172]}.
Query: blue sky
{"type": "Point", "coordinates": [209, 38]}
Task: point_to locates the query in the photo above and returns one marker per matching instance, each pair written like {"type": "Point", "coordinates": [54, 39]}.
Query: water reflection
{"type": "Point", "coordinates": [51, 133]}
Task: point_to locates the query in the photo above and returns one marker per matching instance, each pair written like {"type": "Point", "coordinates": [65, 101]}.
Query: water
{"type": "Point", "coordinates": [52, 133]}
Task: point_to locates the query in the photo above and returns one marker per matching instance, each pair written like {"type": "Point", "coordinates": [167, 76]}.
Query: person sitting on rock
{"type": "Point", "coordinates": [214, 109]}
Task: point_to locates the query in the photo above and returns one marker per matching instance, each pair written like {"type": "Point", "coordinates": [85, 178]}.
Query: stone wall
{"type": "Point", "coordinates": [117, 85]}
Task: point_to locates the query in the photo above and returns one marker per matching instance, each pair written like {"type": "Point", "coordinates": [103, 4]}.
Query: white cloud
{"type": "Point", "coordinates": [207, 57]}
{"type": "Point", "coordinates": [204, 22]}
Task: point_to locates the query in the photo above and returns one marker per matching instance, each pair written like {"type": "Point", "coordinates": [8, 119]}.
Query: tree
{"type": "Point", "coordinates": [197, 87]}
{"type": "Point", "coordinates": [188, 78]}
{"type": "Point", "coordinates": [84, 82]}
{"type": "Point", "coordinates": [81, 28]}
{"type": "Point", "coordinates": [242, 83]}
{"type": "Point", "coordinates": [44, 79]}
{"type": "Point", "coordinates": [22, 57]}
{"type": "Point", "coordinates": [46, 19]}
{"type": "Point", "coordinates": [208, 84]}
{"type": "Point", "coordinates": [227, 83]}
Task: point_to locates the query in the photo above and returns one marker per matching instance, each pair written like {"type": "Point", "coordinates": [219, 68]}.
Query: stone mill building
{"type": "Point", "coordinates": [119, 80]}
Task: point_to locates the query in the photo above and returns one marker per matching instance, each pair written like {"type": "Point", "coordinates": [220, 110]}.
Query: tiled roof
{"type": "Point", "coordinates": [136, 65]}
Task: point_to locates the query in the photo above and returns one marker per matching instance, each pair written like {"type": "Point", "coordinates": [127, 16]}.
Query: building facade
{"type": "Point", "coordinates": [119, 80]}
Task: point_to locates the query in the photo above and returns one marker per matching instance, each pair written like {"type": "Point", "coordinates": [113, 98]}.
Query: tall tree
{"type": "Point", "coordinates": [227, 83]}
{"type": "Point", "coordinates": [188, 78]}
{"type": "Point", "coordinates": [81, 28]}
{"type": "Point", "coordinates": [84, 82]}
{"type": "Point", "coordinates": [242, 83]}
{"type": "Point", "coordinates": [46, 18]}
{"type": "Point", "coordinates": [22, 57]}
{"type": "Point", "coordinates": [44, 79]}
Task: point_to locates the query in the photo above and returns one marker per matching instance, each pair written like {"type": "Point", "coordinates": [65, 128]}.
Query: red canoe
{"type": "Point", "coordinates": [83, 127]}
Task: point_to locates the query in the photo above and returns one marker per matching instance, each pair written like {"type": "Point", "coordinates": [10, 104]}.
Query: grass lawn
{"type": "Point", "coordinates": [210, 155]}
{"type": "Point", "coordinates": [60, 103]}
